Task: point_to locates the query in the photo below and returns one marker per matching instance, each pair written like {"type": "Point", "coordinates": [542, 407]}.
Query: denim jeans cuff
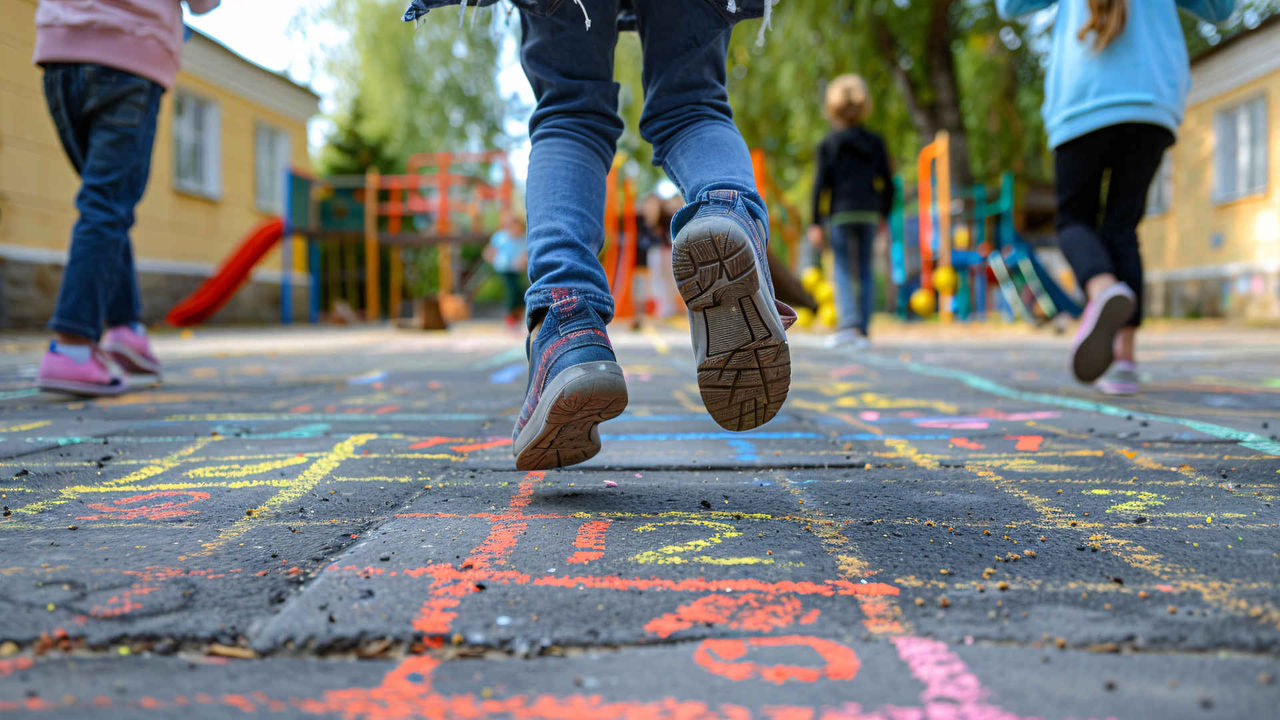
{"type": "Point", "coordinates": [67, 327]}
{"type": "Point", "coordinates": [538, 301]}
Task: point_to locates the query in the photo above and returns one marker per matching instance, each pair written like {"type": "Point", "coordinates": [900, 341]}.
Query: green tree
{"type": "Point", "coordinates": [405, 89]}
{"type": "Point", "coordinates": [930, 64]}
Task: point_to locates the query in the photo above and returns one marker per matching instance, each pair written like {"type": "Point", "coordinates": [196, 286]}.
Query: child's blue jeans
{"type": "Point", "coordinates": [106, 120]}
{"type": "Point", "coordinates": [575, 128]}
{"type": "Point", "coordinates": [851, 250]}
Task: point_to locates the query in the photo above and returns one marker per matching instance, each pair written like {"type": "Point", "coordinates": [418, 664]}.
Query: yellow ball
{"type": "Point", "coordinates": [923, 303]}
{"type": "Point", "coordinates": [960, 238]}
{"type": "Point", "coordinates": [827, 315]}
{"type": "Point", "coordinates": [823, 293]}
{"type": "Point", "coordinates": [804, 317]}
{"type": "Point", "coordinates": [945, 280]}
{"type": "Point", "coordinates": [810, 278]}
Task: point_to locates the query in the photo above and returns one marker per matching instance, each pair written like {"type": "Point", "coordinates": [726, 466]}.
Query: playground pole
{"type": "Point", "coordinates": [371, 264]}
{"type": "Point", "coordinates": [944, 216]}
{"type": "Point", "coordinates": [924, 175]}
{"type": "Point", "coordinates": [444, 226]}
{"type": "Point", "coordinates": [286, 252]}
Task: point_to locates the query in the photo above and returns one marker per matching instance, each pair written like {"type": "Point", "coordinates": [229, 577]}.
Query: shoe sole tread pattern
{"type": "Point", "coordinates": [564, 428]}
{"type": "Point", "coordinates": [1096, 351]}
{"type": "Point", "coordinates": [746, 373]}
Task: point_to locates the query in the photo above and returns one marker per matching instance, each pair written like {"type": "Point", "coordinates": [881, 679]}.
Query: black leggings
{"type": "Point", "coordinates": [1098, 238]}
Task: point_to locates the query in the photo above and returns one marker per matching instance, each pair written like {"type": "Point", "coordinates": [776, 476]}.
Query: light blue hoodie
{"type": "Point", "coordinates": [1142, 77]}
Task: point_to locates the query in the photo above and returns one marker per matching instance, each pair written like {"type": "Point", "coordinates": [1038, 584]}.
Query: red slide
{"type": "Point", "coordinates": [217, 290]}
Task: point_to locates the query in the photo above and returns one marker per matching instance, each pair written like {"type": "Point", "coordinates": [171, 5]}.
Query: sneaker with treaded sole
{"type": "Point", "coordinates": [575, 383]}
{"type": "Point", "coordinates": [1103, 317]}
{"type": "Point", "coordinates": [131, 350]}
{"type": "Point", "coordinates": [91, 378]}
{"type": "Point", "coordinates": [738, 327]}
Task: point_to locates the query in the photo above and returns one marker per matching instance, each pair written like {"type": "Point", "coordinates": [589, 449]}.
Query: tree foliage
{"type": "Point", "coordinates": [930, 65]}
{"type": "Point", "coordinates": [403, 89]}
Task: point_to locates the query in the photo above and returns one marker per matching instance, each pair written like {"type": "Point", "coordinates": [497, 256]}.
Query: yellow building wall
{"type": "Point", "coordinates": [38, 185]}
{"type": "Point", "coordinates": [1179, 238]}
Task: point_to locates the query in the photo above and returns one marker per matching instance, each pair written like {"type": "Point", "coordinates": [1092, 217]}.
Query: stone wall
{"type": "Point", "coordinates": [28, 291]}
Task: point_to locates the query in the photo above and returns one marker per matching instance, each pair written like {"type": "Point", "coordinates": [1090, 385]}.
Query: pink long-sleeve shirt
{"type": "Point", "coordinates": [143, 37]}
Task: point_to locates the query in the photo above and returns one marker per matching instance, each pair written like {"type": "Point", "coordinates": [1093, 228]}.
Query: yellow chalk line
{"type": "Point", "coordinates": [659, 344]}
{"type": "Point", "coordinates": [686, 401]}
{"type": "Point", "coordinates": [1214, 592]}
{"type": "Point", "coordinates": [849, 564]}
{"type": "Point", "coordinates": [26, 426]}
{"type": "Point", "coordinates": [304, 484]}
{"type": "Point", "coordinates": [146, 472]}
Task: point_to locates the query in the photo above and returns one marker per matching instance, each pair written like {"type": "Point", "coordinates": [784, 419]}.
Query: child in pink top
{"type": "Point", "coordinates": [106, 65]}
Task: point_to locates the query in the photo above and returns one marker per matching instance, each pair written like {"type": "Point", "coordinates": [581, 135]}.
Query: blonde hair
{"type": "Point", "coordinates": [848, 102]}
{"type": "Point", "coordinates": [1107, 19]}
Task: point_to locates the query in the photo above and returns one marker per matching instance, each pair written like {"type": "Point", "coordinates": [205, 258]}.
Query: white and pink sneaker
{"type": "Point", "coordinates": [1121, 379]}
{"type": "Point", "coordinates": [92, 376]}
{"type": "Point", "coordinates": [1103, 317]}
{"type": "Point", "coordinates": [131, 349]}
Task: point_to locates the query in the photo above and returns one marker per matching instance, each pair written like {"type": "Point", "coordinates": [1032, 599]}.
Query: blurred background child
{"type": "Point", "coordinates": [106, 64]}
{"type": "Point", "coordinates": [507, 254]}
{"type": "Point", "coordinates": [852, 164]}
{"type": "Point", "coordinates": [1115, 94]}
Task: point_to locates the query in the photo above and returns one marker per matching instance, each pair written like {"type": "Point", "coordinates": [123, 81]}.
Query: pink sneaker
{"type": "Point", "coordinates": [131, 349]}
{"type": "Point", "coordinates": [93, 377]}
{"type": "Point", "coordinates": [1103, 317]}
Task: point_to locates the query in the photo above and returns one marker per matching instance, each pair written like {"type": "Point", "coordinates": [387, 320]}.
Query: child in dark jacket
{"type": "Point", "coordinates": [719, 236]}
{"type": "Point", "coordinates": [852, 164]}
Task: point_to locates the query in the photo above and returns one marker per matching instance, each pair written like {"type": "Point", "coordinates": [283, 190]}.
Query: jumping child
{"type": "Point", "coordinates": [1115, 94]}
{"type": "Point", "coordinates": [506, 253]}
{"type": "Point", "coordinates": [851, 163]}
{"type": "Point", "coordinates": [105, 66]}
{"type": "Point", "coordinates": [739, 340]}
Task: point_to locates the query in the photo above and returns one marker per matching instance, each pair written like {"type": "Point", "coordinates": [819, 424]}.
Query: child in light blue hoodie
{"type": "Point", "coordinates": [1115, 94]}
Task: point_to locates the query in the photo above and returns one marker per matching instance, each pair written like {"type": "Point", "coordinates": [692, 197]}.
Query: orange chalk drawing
{"type": "Point", "coordinates": [967, 444]}
{"type": "Point", "coordinates": [751, 612]}
{"type": "Point", "coordinates": [726, 659]}
{"type": "Point", "coordinates": [590, 542]}
{"type": "Point", "coordinates": [126, 509]}
{"type": "Point", "coordinates": [497, 442]}
{"type": "Point", "coordinates": [1026, 443]}
{"type": "Point", "coordinates": [432, 442]}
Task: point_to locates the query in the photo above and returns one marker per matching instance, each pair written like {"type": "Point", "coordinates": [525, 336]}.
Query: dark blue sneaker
{"type": "Point", "coordinates": [574, 385]}
{"type": "Point", "coordinates": [738, 326]}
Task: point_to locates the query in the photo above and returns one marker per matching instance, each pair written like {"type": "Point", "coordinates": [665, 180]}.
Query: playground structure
{"type": "Point", "coordinates": [966, 240]}
{"type": "Point", "coordinates": [357, 229]}
{"type": "Point", "coordinates": [367, 238]}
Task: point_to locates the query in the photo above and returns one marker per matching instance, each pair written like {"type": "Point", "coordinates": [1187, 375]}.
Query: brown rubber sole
{"type": "Point", "coordinates": [564, 430]}
{"type": "Point", "coordinates": [744, 364]}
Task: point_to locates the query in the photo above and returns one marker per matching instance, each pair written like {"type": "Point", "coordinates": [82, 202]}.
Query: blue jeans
{"type": "Point", "coordinates": [575, 127]}
{"type": "Point", "coordinates": [106, 120]}
{"type": "Point", "coordinates": [852, 245]}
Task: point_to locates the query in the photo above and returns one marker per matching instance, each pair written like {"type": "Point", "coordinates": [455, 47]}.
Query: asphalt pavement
{"type": "Point", "coordinates": [327, 523]}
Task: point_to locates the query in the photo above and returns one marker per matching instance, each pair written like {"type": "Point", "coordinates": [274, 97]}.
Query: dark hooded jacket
{"type": "Point", "coordinates": [853, 164]}
{"type": "Point", "coordinates": [733, 10]}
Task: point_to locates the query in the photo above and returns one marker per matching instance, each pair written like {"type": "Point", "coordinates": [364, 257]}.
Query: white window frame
{"type": "Point", "coordinates": [197, 145]}
{"type": "Point", "coordinates": [1160, 195]}
{"type": "Point", "coordinates": [270, 163]}
{"type": "Point", "coordinates": [1240, 150]}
